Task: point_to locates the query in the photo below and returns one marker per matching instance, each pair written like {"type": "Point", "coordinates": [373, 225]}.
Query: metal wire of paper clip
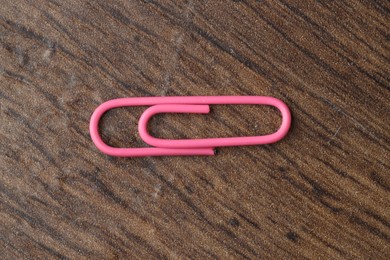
{"type": "Point", "coordinates": [185, 104]}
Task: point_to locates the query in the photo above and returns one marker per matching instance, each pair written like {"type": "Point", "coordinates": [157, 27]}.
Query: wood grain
{"type": "Point", "coordinates": [322, 192]}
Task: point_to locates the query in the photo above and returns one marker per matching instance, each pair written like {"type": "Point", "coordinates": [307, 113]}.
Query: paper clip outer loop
{"type": "Point", "coordinates": [185, 104]}
{"type": "Point", "coordinates": [215, 142]}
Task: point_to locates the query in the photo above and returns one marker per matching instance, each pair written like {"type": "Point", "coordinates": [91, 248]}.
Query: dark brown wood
{"type": "Point", "coordinates": [322, 192]}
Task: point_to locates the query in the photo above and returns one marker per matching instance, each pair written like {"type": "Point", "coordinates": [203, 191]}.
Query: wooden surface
{"type": "Point", "coordinates": [322, 192]}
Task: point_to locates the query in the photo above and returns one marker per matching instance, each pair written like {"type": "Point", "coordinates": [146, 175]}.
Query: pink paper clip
{"type": "Point", "coordinates": [198, 104]}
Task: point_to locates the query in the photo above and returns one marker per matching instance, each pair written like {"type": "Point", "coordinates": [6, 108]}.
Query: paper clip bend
{"type": "Point", "coordinates": [185, 104]}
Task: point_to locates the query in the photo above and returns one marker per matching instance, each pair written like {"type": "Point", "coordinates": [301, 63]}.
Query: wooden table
{"type": "Point", "coordinates": [322, 192]}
